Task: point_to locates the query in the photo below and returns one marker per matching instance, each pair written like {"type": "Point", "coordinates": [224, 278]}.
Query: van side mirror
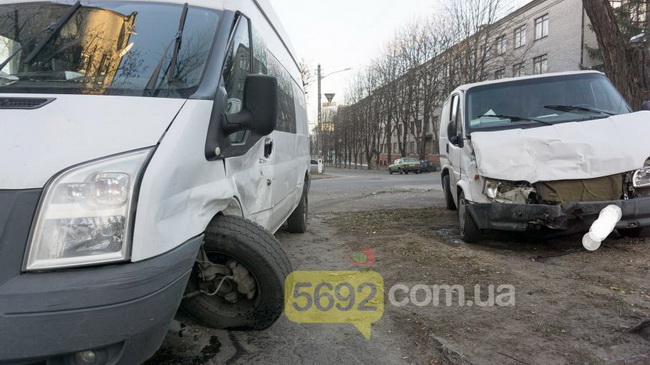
{"type": "Point", "coordinates": [645, 105]}
{"type": "Point", "coordinates": [260, 110]}
{"type": "Point", "coordinates": [451, 130]}
{"type": "Point", "coordinates": [257, 114]}
{"type": "Point", "coordinates": [454, 138]}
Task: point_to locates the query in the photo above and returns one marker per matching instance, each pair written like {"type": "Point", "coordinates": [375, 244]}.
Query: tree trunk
{"type": "Point", "coordinates": [624, 62]}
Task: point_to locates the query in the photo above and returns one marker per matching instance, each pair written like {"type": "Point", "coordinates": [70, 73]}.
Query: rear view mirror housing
{"type": "Point", "coordinates": [260, 111]}
{"type": "Point", "coordinates": [258, 116]}
{"type": "Point", "coordinates": [455, 139]}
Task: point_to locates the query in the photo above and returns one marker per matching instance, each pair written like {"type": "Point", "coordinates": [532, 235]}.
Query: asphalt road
{"type": "Point", "coordinates": [375, 179]}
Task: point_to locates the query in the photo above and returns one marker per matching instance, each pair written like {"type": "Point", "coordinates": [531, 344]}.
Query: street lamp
{"type": "Point", "coordinates": [320, 78]}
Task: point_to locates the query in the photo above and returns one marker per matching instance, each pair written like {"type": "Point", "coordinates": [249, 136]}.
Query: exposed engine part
{"type": "Point", "coordinates": [229, 281]}
{"type": "Point", "coordinates": [243, 278]}
{"type": "Point", "coordinates": [208, 271]}
{"type": "Point", "coordinates": [509, 192]}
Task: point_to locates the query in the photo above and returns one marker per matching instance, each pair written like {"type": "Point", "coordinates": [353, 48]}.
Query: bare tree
{"type": "Point", "coordinates": [625, 64]}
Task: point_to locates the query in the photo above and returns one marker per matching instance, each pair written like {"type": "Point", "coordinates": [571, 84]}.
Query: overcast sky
{"type": "Point", "coordinates": [347, 33]}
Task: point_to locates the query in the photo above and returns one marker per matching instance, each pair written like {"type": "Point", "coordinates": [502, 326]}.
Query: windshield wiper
{"type": "Point", "coordinates": [149, 88]}
{"type": "Point", "coordinates": [576, 108]}
{"type": "Point", "coordinates": [53, 29]}
{"type": "Point", "coordinates": [514, 118]}
{"type": "Point", "coordinates": [177, 43]}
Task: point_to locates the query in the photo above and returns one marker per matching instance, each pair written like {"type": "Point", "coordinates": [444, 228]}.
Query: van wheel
{"type": "Point", "coordinates": [390, 172]}
{"type": "Point", "coordinates": [635, 232]}
{"type": "Point", "coordinates": [449, 199]}
{"type": "Point", "coordinates": [468, 231]}
{"type": "Point", "coordinates": [297, 221]}
{"type": "Point", "coordinates": [238, 279]}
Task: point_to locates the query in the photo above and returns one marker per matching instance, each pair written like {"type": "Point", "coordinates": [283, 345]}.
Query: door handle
{"type": "Point", "coordinates": [268, 147]}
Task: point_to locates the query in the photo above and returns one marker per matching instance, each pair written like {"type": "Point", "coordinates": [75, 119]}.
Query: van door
{"type": "Point", "coordinates": [455, 148]}
{"type": "Point", "coordinates": [284, 144]}
{"type": "Point", "coordinates": [252, 173]}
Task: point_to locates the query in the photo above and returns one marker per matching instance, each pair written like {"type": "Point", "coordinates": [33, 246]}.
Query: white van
{"type": "Point", "coordinates": [148, 150]}
{"type": "Point", "coordinates": [544, 152]}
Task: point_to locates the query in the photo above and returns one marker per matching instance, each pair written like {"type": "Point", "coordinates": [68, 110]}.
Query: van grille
{"type": "Point", "coordinates": [24, 103]}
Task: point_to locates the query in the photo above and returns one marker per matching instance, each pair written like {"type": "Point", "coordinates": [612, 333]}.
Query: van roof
{"type": "Point", "coordinates": [512, 79]}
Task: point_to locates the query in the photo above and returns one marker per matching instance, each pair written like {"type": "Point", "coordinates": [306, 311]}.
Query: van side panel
{"type": "Point", "coordinates": [181, 191]}
{"type": "Point", "coordinates": [290, 157]}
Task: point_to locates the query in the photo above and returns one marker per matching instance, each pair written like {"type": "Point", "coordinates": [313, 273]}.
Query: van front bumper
{"type": "Point", "coordinates": [120, 312]}
{"type": "Point", "coordinates": [571, 217]}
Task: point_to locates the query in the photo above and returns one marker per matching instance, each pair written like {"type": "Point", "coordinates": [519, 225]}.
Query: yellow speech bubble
{"type": "Point", "coordinates": [335, 297]}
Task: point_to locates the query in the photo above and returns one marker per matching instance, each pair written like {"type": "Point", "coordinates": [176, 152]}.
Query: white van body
{"type": "Point", "coordinates": [544, 152]}
{"type": "Point", "coordinates": [146, 161]}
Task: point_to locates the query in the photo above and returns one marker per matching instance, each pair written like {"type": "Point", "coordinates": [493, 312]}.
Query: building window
{"type": "Point", "coordinates": [484, 52]}
{"type": "Point", "coordinates": [541, 27]}
{"type": "Point", "coordinates": [500, 73]}
{"type": "Point", "coordinates": [502, 45]}
{"type": "Point", "coordinates": [520, 36]}
{"type": "Point", "coordinates": [518, 70]}
{"type": "Point", "coordinates": [540, 64]}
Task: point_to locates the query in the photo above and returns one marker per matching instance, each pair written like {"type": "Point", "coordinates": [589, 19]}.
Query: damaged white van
{"type": "Point", "coordinates": [547, 151]}
{"type": "Point", "coordinates": [148, 150]}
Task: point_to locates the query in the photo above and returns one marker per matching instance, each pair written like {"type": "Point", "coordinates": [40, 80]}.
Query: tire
{"type": "Point", "coordinates": [390, 172]}
{"type": "Point", "coordinates": [469, 233]}
{"type": "Point", "coordinates": [250, 245]}
{"type": "Point", "coordinates": [637, 232]}
{"type": "Point", "coordinates": [297, 221]}
{"type": "Point", "coordinates": [449, 199]}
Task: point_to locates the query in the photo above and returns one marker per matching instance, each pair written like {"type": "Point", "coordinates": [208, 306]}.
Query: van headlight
{"type": "Point", "coordinates": [641, 177]}
{"type": "Point", "coordinates": [491, 188]}
{"type": "Point", "coordinates": [85, 214]}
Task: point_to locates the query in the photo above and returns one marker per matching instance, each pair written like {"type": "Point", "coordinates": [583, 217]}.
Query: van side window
{"type": "Point", "coordinates": [235, 70]}
{"type": "Point", "coordinates": [264, 62]}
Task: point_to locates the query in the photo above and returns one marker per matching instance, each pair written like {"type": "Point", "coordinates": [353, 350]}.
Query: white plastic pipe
{"type": "Point", "coordinates": [602, 227]}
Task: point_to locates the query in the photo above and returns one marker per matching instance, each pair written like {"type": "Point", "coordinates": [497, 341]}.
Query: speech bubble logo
{"type": "Point", "coordinates": [355, 297]}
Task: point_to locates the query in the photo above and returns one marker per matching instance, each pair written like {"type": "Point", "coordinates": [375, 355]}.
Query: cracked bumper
{"type": "Point", "coordinates": [123, 311]}
{"type": "Point", "coordinates": [572, 217]}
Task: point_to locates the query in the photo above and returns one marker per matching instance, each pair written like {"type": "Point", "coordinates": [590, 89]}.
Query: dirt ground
{"type": "Point", "coordinates": [571, 306]}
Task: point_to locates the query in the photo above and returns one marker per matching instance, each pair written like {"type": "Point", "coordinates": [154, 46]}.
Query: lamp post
{"type": "Point", "coordinates": [320, 78]}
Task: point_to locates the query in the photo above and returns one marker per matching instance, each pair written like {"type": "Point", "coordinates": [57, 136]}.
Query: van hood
{"type": "Point", "coordinates": [566, 151]}
{"type": "Point", "coordinates": [36, 144]}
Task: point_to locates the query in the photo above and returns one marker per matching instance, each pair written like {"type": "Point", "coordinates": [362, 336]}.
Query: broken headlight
{"type": "Point", "coordinates": [84, 216]}
{"type": "Point", "coordinates": [491, 188]}
{"type": "Point", "coordinates": [641, 177]}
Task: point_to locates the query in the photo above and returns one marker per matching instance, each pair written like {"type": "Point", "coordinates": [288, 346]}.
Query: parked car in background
{"type": "Point", "coordinates": [427, 166]}
{"type": "Point", "coordinates": [316, 166]}
{"type": "Point", "coordinates": [405, 165]}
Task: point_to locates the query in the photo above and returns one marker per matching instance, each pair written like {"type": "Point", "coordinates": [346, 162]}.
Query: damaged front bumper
{"type": "Point", "coordinates": [570, 217]}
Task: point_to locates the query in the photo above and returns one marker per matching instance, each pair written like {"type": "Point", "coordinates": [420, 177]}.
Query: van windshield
{"type": "Point", "coordinates": [542, 101]}
{"type": "Point", "coordinates": [104, 48]}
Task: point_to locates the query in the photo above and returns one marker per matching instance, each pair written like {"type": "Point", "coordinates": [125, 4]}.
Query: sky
{"type": "Point", "coordinates": [340, 34]}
